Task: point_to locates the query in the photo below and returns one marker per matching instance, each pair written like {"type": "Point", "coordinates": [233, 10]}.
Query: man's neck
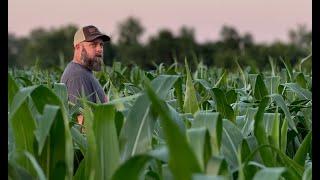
{"type": "Point", "coordinates": [75, 61]}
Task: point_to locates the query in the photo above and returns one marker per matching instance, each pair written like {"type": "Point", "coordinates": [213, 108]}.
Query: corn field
{"type": "Point", "coordinates": [173, 122]}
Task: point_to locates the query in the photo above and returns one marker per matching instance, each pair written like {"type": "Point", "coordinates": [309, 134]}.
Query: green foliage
{"type": "Point", "coordinates": [227, 125]}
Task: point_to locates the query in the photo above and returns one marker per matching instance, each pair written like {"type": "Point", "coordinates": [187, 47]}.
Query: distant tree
{"type": "Point", "coordinates": [207, 51]}
{"type": "Point", "coordinates": [54, 47]}
{"type": "Point", "coordinates": [230, 37]}
{"type": "Point", "coordinates": [15, 47]}
{"type": "Point", "coordinates": [300, 37]}
{"type": "Point", "coordinates": [186, 45]}
{"type": "Point", "coordinates": [130, 31]}
{"type": "Point", "coordinates": [163, 47]}
{"type": "Point", "coordinates": [50, 47]}
{"type": "Point", "coordinates": [129, 50]}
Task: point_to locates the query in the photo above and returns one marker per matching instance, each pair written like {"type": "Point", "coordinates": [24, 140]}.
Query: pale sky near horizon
{"type": "Point", "coordinates": [266, 20]}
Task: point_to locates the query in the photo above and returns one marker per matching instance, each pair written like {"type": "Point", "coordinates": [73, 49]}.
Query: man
{"type": "Point", "coordinates": [88, 56]}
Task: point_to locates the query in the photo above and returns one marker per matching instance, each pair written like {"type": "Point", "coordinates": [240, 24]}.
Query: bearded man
{"type": "Point", "coordinates": [88, 56]}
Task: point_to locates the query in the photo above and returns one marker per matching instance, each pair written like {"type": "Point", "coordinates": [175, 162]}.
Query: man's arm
{"type": "Point", "coordinates": [77, 87]}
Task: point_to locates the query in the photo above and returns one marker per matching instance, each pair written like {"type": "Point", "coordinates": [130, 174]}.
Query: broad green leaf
{"type": "Point", "coordinates": [204, 83]}
{"type": "Point", "coordinates": [10, 139]}
{"type": "Point", "coordinates": [252, 80]}
{"type": "Point", "coordinates": [288, 69]}
{"type": "Point", "coordinates": [119, 120]}
{"type": "Point", "coordinates": [17, 172]}
{"type": "Point", "coordinates": [253, 144]}
{"type": "Point", "coordinates": [79, 139]}
{"type": "Point", "coordinates": [243, 77]}
{"type": "Point", "coordinates": [307, 114]}
{"type": "Point", "coordinates": [269, 173]}
{"type": "Point", "coordinates": [115, 95]}
{"type": "Point", "coordinates": [213, 122]}
{"type": "Point", "coordinates": [260, 133]}
{"type": "Point", "coordinates": [57, 153]}
{"type": "Point", "coordinates": [272, 83]}
{"type": "Point", "coordinates": [108, 156]}
{"type": "Point", "coordinates": [294, 169]}
{"type": "Point", "coordinates": [303, 60]}
{"type": "Point", "coordinates": [44, 126]}
{"type": "Point", "coordinates": [217, 165]}
{"type": "Point", "coordinates": [190, 100]}
{"type": "Point", "coordinates": [243, 153]}
{"type": "Point", "coordinates": [245, 149]}
{"type": "Point", "coordinates": [231, 140]}
{"type": "Point", "coordinates": [160, 153]}
{"type": "Point", "coordinates": [222, 105]}
{"type": "Point", "coordinates": [175, 116]}
{"type": "Point", "coordinates": [307, 175]}
{"type": "Point", "coordinates": [179, 93]}
{"type": "Point", "coordinates": [59, 144]}
{"type": "Point", "coordinates": [20, 98]}
{"type": "Point", "coordinates": [273, 65]}
{"type": "Point", "coordinates": [60, 90]}
{"type": "Point", "coordinates": [249, 121]}
{"type": "Point", "coordinates": [136, 134]}
{"type": "Point", "coordinates": [124, 100]}
{"type": "Point", "coordinates": [13, 88]}
{"type": "Point", "coordinates": [42, 96]}
{"type": "Point", "coordinates": [275, 132]}
{"type": "Point", "coordinates": [60, 138]}
{"type": "Point", "coordinates": [268, 121]}
{"type": "Point", "coordinates": [166, 172]}
{"type": "Point", "coordinates": [231, 96]}
{"type": "Point", "coordinates": [301, 81]}
{"type": "Point", "coordinates": [179, 149]}
{"type": "Point", "coordinates": [23, 125]}
{"type": "Point", "coordinates": [281, 103]}
{"type": "Point", "coordinates": [304, 148]}
{"type": "Point", "coordinates": [199, 140]}
{"type": "Point", "coordinates": [303, 93]}
{"type": "Point", "coordinates": [283, 135]}
{"type": "Point", "coordinates": [25, 81]}
{"type": "Point", "coordinates": [260, 89]}
{"type": "Point", "coordinates": [132, 168]}
{"type": "Point", "coordinates": [222, 80]}
{"type": "Point", "coordinates": [36, 166]}
{"type": "Point", "coordinates": [88, 166]}
{"type": "Point", "coordinates": [207, 177]}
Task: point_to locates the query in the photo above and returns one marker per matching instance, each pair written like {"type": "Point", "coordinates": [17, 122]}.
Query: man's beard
{"type": "Point", "coordinates": [94, 64]}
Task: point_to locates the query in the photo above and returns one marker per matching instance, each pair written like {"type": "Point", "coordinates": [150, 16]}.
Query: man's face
{"type": "Point", "coordinates": [92, 54]}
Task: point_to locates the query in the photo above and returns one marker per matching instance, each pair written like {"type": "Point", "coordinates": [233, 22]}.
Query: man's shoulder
{"type": "Point", "coordinates": [73, 72]}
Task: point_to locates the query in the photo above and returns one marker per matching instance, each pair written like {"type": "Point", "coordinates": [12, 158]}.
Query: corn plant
{"type": "Point", "coordinates": [168, 123]}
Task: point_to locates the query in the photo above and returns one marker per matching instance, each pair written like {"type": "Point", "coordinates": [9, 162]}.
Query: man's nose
{"type": "Point", "coordinates": [99, 48]}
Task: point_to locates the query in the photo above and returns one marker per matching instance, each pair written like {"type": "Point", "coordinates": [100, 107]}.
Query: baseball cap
{"type": "Point", "coordinates": [88, 33]}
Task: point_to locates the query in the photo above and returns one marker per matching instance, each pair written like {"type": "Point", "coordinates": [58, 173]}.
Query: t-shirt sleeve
{"type": "Point", "coordinates": [77, 87]}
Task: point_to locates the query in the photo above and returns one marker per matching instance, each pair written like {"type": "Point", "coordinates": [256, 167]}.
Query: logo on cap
{"type": "Point", "coordinates": [93, 30]}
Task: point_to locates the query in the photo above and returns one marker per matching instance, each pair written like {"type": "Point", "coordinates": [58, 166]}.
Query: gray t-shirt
{"type": "Point", "coordinates": [77, 77]}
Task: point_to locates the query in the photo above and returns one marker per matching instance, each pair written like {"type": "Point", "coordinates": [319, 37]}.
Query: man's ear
{"type": "Point", "coordinates": [77, 46]}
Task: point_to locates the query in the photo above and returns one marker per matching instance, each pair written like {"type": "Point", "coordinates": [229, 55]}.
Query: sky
{"type": "Point", "coordinates": [266, 20]}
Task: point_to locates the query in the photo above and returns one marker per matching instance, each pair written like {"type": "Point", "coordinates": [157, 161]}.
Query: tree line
{"type": "Point", "coordinates": [53, 48]}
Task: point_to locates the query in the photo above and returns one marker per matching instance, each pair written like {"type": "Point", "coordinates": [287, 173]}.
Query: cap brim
{"type": "Point", "coordinates": [104, 37]}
